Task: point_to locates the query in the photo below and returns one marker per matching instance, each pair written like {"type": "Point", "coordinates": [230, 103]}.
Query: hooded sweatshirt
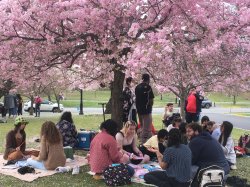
{"type": "Point", "coordinates": [206, 151]}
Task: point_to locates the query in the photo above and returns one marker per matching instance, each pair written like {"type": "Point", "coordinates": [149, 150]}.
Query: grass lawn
{"type": "Point", "coordinates": [92, 98]}
{"type": "Point", "coordinates": [83, 179]}
{"type": "Point", "coordinates": [246, 114]}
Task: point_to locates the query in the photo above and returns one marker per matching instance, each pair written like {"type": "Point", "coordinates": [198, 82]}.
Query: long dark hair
{"type": "Point", "coordinates": [67, 116]}
{"type": "Point", "coordinates": [110, 127]}
{"type": "Point", "coordinates": [22, 132]}
{"type": "Point", "coordinates": [228, 127]}
{"type": "Point", "coordinates": [174, 138]}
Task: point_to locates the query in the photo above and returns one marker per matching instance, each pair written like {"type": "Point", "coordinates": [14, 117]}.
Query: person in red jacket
{"type": "Point", "coordinates": [38, 102]}
{"type": "Point", "coordinates": [193, 106]}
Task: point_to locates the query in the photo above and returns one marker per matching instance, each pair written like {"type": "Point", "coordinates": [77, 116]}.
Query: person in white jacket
{"type": "Point", "coordinates": [227, 143]}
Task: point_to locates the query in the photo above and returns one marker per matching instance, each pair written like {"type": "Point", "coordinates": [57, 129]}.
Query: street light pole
{"type": "Point", "coordinates": [81, 104]}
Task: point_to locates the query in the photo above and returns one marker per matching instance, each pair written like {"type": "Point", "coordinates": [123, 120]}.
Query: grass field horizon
{"type": "Point", "coordinates": [92, 98]}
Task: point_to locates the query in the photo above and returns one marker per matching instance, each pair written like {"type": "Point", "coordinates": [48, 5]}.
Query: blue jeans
{"type": "Point", "coordinates": [36, 164]}
{"type": "Point", "coordinates": [37, 108]}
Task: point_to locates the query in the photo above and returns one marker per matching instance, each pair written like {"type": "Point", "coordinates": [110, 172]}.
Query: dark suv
{"type": "Point", "coordinates": [206, 103]}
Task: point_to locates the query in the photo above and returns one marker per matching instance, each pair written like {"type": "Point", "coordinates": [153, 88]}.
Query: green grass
{"type": "Point", "coordinates": [83, 179]}
{"type": "Point", "coordinates": [246, 114]}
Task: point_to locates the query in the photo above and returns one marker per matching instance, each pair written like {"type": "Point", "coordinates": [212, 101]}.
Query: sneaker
{"type": "Point", "coordinates": [63, 169]}
{"type": "Point", "coordinates": [76, 170]}
{"type": "Point", "coordinates": [233, 167]}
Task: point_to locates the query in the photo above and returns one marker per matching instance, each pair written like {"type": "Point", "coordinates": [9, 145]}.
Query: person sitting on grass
{"type": "Point", "coordinates": [51, 153]}
{"type": "Point", "coordinates": [214, 129]}
{"type": "Point", "coordinates": [182, 129]}
{"type": "Point", "coordinates": [157, 142]}
{"type": "Point", "coordinates": [175, 162]}
{"type": "Point", "coordinates": [227, 143]}
{"type": "Point", "coordinates": [206, 151]}
{"type": "Point", "coordinates": [168, 113]}
{"type": "Point", "coordinates": [68, 130]}
{"type": "Point", "coordinates": [175, 124]}
{"type": "Point", "coordinates": [204, 121]}
{"type": "Point", "coordinates": [127, 141]}
{"type": "Point", "coordinates": [16, 142]}
{"type": "Point", "coordinates": [104, 149]}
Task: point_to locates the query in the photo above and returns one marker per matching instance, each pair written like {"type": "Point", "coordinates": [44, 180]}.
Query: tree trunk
{"type": "Point", "coordinates": [116, 97]}
{"type": "Point", "coordinates": [31, 112]}
{"type": "Point", "coordinates": [57, 101]}
{"type": "Point", "coordinates": [49, 97]}
{"type": "Point", "coordinates": [234, 100]}
{"type": "Point", "coordinates": [183, 97]}
{"type": "Point", "coordinates": [182, 106]}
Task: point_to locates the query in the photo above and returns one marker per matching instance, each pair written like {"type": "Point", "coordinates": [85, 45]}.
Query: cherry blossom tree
{"type": "Point", "coordinates": [201, 47]}
{"type": "Point", "coordinates": [101, 35]}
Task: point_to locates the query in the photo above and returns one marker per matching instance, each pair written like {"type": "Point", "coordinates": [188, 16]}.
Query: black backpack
{"type": "Point", "coordinates": [211, 176]}
{"type": "Point", "coordinates": [117, 175]}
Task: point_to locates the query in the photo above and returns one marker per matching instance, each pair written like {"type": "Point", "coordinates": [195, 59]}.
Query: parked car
{"type": "Point", "coordinates": [45, 106]}
{"type": "Point", "coordinates": [206, 103]}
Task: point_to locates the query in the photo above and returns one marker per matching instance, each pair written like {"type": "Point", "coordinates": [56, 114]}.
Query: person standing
{"type": "Point", "coordinates": [19, 104]}
{"type": "Point", "coordinates": [38, 102]}
{"type": "Point", "coordinates": [193, 106]}
{"type": "Point", "coordinates": [9, 104]}
{"type": "Point", "coordinates": [144, 102]}
{"type": "Point", "coordinates": [129, 109]}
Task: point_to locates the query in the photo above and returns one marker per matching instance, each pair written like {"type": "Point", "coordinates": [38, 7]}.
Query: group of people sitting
{"type": "Point", "coordinates": [181, 151]}
{"type": "Point", "coordinates": [53, 137]}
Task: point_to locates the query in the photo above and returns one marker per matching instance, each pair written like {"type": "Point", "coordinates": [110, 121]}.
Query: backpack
{"type": "Point", "coordinates": [211, 176]}
{"type": "Point", "coordinates": [244, 142]}
{"type": "Point", "coordinates": [117, 175]}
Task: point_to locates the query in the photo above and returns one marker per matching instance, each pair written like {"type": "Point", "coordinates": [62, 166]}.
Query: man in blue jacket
{"type": "Point", "coordinates": [206, 151]}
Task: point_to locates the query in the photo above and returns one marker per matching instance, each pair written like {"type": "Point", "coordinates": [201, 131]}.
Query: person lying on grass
{"type": "Point", "coordinates": [51, 153]}
{"type": "Point", "coordinates": [16, 142]}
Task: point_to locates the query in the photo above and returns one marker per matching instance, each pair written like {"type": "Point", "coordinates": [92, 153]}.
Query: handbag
{"type": "Point", "coordinates": [117, 175]}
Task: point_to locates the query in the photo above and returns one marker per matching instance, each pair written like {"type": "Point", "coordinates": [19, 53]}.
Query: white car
{"type": "Point", "coordinates": [45, 106]}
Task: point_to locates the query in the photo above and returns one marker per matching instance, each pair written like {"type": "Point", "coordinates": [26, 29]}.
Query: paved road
{"type": "Point", "coordinates": [215, 113]}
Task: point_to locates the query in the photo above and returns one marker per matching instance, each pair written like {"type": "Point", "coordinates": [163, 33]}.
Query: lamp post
{"type": "Point", "coordinates": [81, 103]}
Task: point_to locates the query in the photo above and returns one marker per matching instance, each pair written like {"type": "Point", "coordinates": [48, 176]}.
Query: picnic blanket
{"type": "Point", "coordinates": [140, 171]}
{"type": "Point", "coordinates": [11, 170]}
